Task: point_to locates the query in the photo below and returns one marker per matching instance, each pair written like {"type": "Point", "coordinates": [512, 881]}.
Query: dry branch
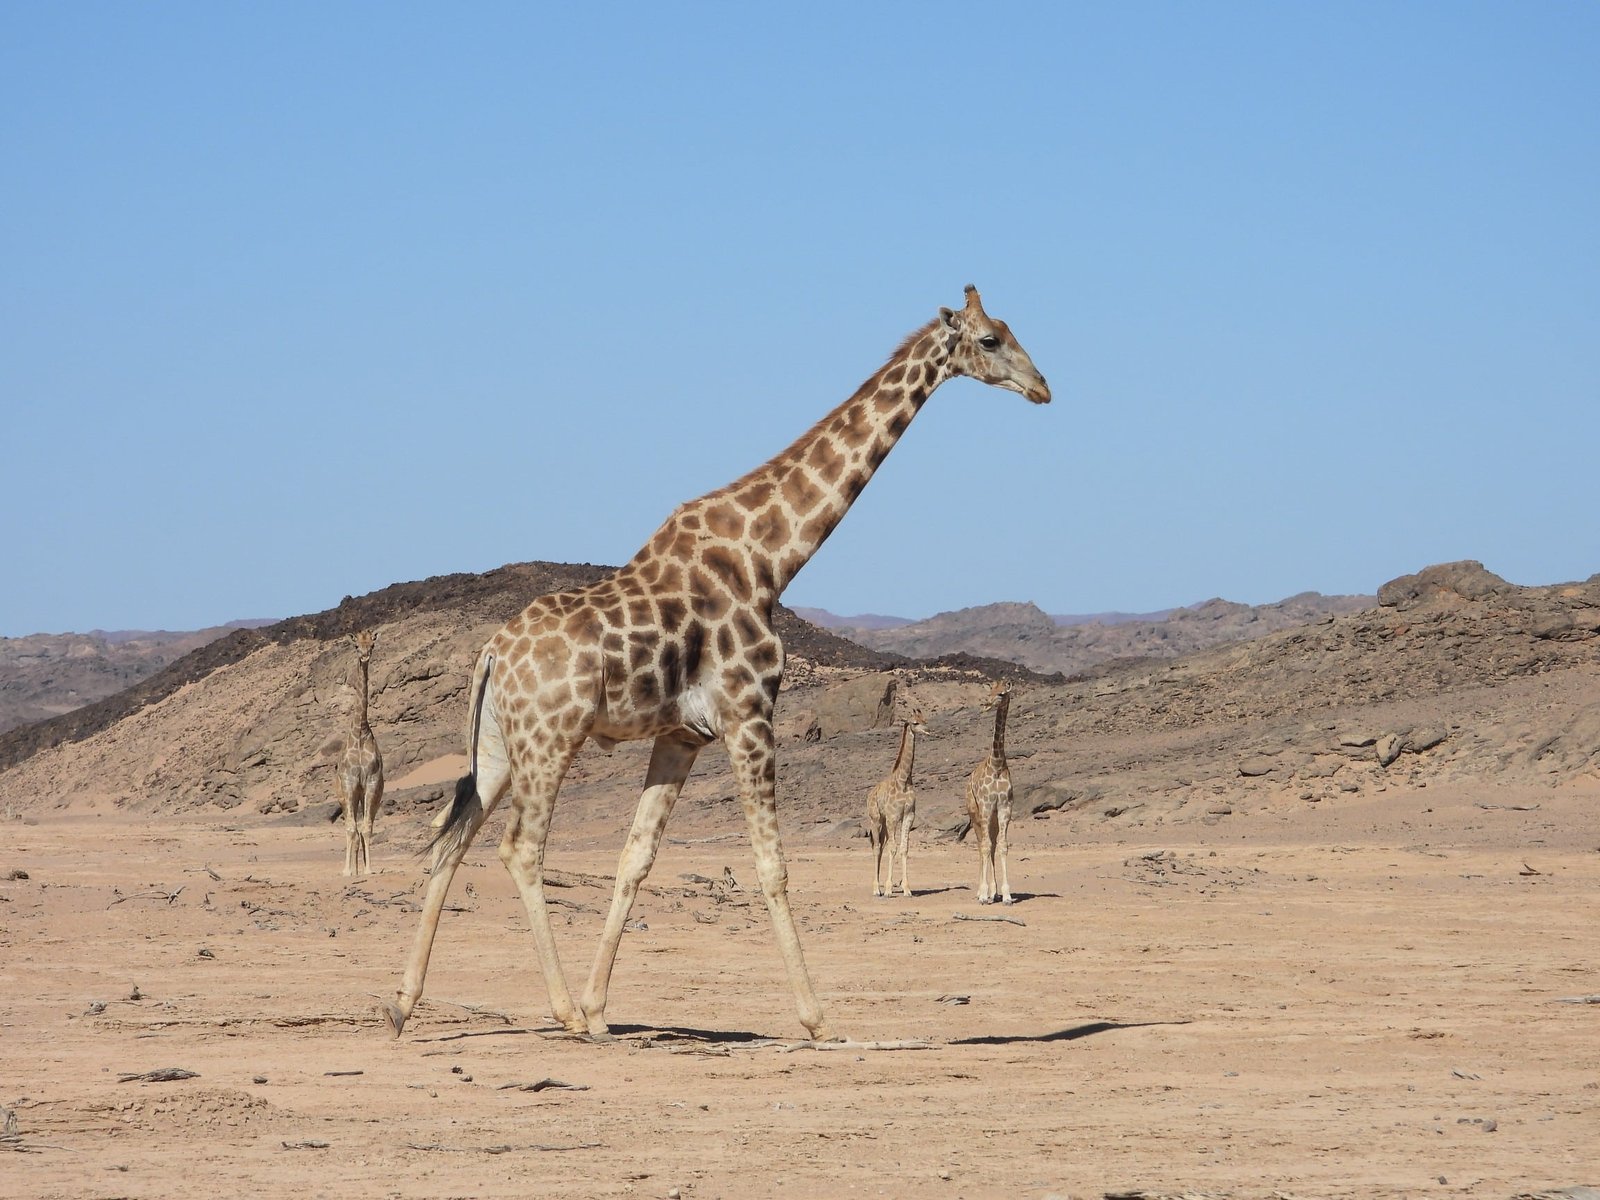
{"type": "Point", "coordinates": [910, 1044]}
{"type": "Point", "coordinates": [169, 897]}
{"type": "Point", "coordinates": [988, 917]}
{"type": "Point", "coordinates": [501, 1149]}
{"type": "Point", "coordinates": [161, 1075]}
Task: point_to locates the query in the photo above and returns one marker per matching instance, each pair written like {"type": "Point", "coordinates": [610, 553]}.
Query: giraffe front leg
{"type": "Point", "coordinates": [752, 754]}
{"type": "Point", "coordinates": [351, 832]}
{"type": "Point", "coordinates": [905, 851]}
{"type": "Point", "coordinates": [369, 819]}
{"type": "Point", "coordinates": [1005, 870]}
{"type": "Point", "coordinates": [670, 764]}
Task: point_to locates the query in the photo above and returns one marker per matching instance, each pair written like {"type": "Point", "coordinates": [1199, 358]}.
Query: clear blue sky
{"type": "Point", "coordinates": [301, 299]}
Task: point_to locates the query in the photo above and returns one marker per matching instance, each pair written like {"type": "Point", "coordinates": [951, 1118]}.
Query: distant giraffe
{"type": "Point", "coordinates": [891, 810]}
{"type": "Point", "coordinates": [359, 771]}
{"type": "Point", "coordinates": [678, 646]}
{"type": "Point", "coordinates": [989, 802]}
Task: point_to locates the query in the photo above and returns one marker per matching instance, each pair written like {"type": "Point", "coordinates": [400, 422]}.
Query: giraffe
{"type": "Point", "coordinates": [359, 771]}
{"type": "Point", "coordinates": [891, 808]}
{"type": "Point", "coordinates": [989, 802]}
{"type": "Point", "coordinates": [678, 646]}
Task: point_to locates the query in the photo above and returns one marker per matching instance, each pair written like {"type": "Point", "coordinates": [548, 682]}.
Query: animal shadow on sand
{"type": "Point", "coordinates": [684, 1033]}
{"type": "Point", "coordinates": [1016, 897]}
{"type": "Point", "coordinates": [1059, 1035]}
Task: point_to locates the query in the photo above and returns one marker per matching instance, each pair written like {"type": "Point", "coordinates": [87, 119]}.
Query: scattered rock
{"type": "Point", "coordinates": [1388, 747]}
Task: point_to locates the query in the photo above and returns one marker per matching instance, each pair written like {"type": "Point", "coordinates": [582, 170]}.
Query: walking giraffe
{"type": "Point", "coordinates": [678, 646]}
{"type": "Point", "coordinates": [989, 802]}
{"type": "Point", "coordinates": [359, 771]}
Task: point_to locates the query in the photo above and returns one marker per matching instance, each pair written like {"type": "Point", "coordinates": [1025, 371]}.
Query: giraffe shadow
{"type": "Point", "coordinates": [688, 1034]}
{"type": "Point", "coordinates": [1016, 897]}
{"type": "Point", "coordinates": [1060, 1035]}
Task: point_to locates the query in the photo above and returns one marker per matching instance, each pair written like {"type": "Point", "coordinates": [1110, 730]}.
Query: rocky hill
{"type": "Point", "coordinates": [47, 674]}
{"type": "Point", "coordinates": [430, 630]}
{"type": "Point", "coordinates": [1455, 678]}
{"type": "Point", "coordinates": [1027, 635]}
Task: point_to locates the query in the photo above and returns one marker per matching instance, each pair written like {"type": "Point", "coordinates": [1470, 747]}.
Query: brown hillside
{"type": "Point", "coordinates": [1465, 678]}
{"type": "Point", "coordinates": [267, 687]}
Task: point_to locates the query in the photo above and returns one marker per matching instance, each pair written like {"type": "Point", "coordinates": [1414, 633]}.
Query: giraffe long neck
{"type": "Point", "coordinates": [359, 716]}
{"type": "Point", "coordinates": [757, 532]}
{"type": "Point", "coordinates": [1000, 709]}
{"type": "Point", "coordinates": [908, 750]}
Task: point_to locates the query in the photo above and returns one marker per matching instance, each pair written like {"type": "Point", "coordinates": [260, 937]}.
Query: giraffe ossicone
{"type": "Point", "coordinates": [678, 646]}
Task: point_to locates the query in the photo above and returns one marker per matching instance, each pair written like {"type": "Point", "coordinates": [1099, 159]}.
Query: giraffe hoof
{"type": "Point", "coordinates": [396, 1019]}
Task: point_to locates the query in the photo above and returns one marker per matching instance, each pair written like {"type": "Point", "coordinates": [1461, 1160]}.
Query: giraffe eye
{"type": "Point", "coordinates": [989, 342]}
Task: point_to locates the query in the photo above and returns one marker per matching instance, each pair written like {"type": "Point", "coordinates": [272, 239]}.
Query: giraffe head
{"type": "Point", "coordinates": [917, 724]}
{"type": "Point", "coordinates": [984, 349]}
{"type": "Point", "coordinates": [1001, 688]}
{"type": "Point", "coordinates": [364, 642]}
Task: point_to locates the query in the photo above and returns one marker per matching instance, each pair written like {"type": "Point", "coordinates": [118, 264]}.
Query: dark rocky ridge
{"type": "Point", "coordinates": [1025, 634]}
{"type": "Point", "coordinates": [491, 596]}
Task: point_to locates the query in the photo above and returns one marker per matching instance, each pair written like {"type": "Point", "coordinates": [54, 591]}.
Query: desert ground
{"type": "Point", "coordinates": [1387, 995]}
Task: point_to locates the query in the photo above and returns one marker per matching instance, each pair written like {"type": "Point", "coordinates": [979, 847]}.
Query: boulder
{"type": "Point", "coordinates": [859, 704]}
{"type": "Point", "coordinates": [1444, 585]}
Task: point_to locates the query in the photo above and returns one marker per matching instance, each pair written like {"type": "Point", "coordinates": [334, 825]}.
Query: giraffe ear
{"type": "Point", "coordinates": [949, 318]}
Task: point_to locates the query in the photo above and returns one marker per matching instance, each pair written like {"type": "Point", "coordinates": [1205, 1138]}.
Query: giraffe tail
{"type": "Point", "coordinates": [454, 825]}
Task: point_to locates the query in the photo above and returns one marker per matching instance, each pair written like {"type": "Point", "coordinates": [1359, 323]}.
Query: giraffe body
{"type": "Point", "coordinates": [891, 812]}
{"type": "Point", "coordinates": [359, 771]}
{"type": "Point", "coordinates": [678, 646]}
{"type": "Point", "coordinates": [989, 804]}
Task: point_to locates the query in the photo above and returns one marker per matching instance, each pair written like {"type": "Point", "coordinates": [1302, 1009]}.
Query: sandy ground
{"type": "Point", "coordinates": [1369, 1001]}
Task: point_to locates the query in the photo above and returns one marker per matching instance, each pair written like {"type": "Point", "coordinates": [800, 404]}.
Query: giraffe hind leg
{"type": "Point", "coordinates": [444, 868]}
{"type": "Point", "coordinates": [522, 851]}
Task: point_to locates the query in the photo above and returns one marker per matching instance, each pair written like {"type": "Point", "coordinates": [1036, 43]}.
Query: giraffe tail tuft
{"type": "Point", "coordinates": [454, 825]}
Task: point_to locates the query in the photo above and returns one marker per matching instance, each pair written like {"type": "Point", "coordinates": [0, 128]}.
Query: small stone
{"type": "Point", "coordinates": [1252, 767]}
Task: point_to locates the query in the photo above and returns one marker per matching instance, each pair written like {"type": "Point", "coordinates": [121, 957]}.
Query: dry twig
{"type": "Point", "coordinates": [988, 917]}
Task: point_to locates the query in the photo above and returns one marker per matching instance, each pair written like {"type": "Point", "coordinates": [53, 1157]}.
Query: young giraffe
{"type": "Point", "coordinates": [359, 772]}
{"type": "Point", "coordinates": [678, 646]}
{"type": "Point", "coordinates": [989, 802]}
{"type": "Point", "coordinates": [891, 808]}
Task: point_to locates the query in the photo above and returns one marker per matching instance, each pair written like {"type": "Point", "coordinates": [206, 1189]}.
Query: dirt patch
{"type": "Point", "coordinates": [1382, 997]}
